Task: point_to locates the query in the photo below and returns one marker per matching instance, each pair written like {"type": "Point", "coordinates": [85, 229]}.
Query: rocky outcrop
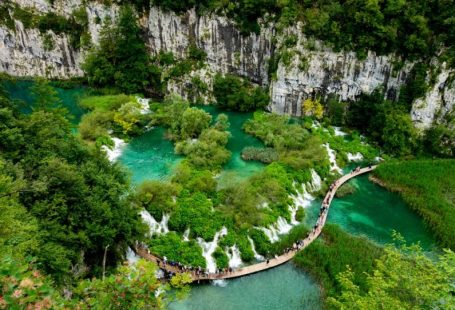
{"type": "Point", "coordinates": [314, 69]}
{"type": "Point", "coordinates": [438, 101]}
{"type": "Point", "coordinates": [23, 53]}
{"type": "Point", "coordinates": [227, 50]}
{"type": "Point", "coordinates": [310, 68]}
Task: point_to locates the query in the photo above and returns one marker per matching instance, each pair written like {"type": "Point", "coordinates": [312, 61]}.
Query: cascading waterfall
{"type": "Point", "coordinates": [131, 257]}
{"type": "Point", "coordinates": [155, 227]}
{"type": "Point", "coordinates": [315, 184]}
{"type": "Point", "coordinates": [233, 253]}
{"type": "Point", "coordinates": [186, 235]}
{"type": "Point", "coordinates": [116, 151]}
{"type": "Point", "coordinates": [354, 157]}
{"type": "Point", "coordinates": [145, 108]}
{"type": "Point", "coordinates": [332, 159]}
{"type": "Point", "coordinates": [272, 232]}
{"type": "Point", "coordinates": [338, 131]}
{"type": "Point", "coordinates": [208, 248]}
{"type": "Point", "coordinates": [257, 256]}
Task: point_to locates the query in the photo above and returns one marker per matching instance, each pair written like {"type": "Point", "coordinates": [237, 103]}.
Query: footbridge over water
{"type": "Point", "coordinates": [246, 270]}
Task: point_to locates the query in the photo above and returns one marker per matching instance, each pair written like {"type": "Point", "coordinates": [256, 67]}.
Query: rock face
{"type": "Point", "coordinates": [227, 50]}
{"type": "Point", "coordinates": [438, 101]}
{"type": "Point", "coordinates": [22, 53]}
{"type": "Point", "coordinates": [310, 69]}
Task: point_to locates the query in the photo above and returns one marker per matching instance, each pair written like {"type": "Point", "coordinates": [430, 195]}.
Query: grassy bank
{"type": "Point", "coordinates": [325, 258]}
{"type": "Point", "coordinates": [428, 187]}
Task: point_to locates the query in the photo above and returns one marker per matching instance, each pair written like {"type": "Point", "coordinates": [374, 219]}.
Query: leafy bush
{"type": "Point", "coordinates": [233, 93]}
{"type": "Point", "coordinates": [265, 155]}
{"type": "Point", "coordinates": [171, 245]}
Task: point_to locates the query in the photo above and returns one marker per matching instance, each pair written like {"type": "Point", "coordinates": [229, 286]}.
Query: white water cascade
{"type": "Point", "coordinates": [315, 184]}
{"type": "Point", "coordinates": [131, 257]}
{"type": "Point", "coordinates": [354, 157]}
{"type": "Point", "coordinates": [186, 235]}
{"type": "Point", "coordinates": [233, 253]}
{"type": "Point", "coordinates": [332, 159]}
{"type": "Point", "coordinates": [338, 132]}
{"type": "Point", "coordinates": [116, 151]}
{"type": "Point", "coordinates": [272, 232]}
{"type": "Point", "coordinates": [145, 108]}
{"type": "Point", "coordinates": [208, 248]}
{"type": "Point", "coordinates": [258, 256]}
{"type": "Point", "coordinates": [155, 227]}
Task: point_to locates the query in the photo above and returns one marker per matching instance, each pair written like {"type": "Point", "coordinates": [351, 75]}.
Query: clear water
{"type": "Point", "coordinates": [151, 157]}
{"type": "Point", "coordinates": [236, 169]}
{"type": "Point", "coordinates": [375, 212]}
{"type": "Point", "coordinates": [284, 287]}
{"type": "Point", "coordinates": [20, 91]}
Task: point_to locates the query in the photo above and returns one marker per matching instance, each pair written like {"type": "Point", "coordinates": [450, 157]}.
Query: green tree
{"type": "Point", "coordinates": [399, 134]}
{"type": "Point", "coordinates": [45, 96]}
{"type": "Point", "coordinates": [194, 121]}
{"type": "Point", "coordinates": [122, 58]}
{"type": "Point", "coordinates": [402, 281]}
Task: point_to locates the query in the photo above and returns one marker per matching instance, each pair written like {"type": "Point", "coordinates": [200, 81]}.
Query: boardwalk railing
{"type": "Point", "coordinates": [243, 271]}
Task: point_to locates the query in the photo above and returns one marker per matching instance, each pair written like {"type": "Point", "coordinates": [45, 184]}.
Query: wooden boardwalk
{"type": "Point", "coordinates": [273, 262]}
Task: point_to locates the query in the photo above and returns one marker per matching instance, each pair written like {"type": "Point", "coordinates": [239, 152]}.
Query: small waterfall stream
{"type": "Point", "coordinates": [256, 254]}
{"type": "Point", "coordinates": [155, 227]}
{"type": "Point", "coordinates": [332, 159]}
{"type": "Point", "coordinates": [208, 248]}
{"type": "Point", "coordinates": [116, 151]}
{"type": "Point", "coordinates": [233, 253]}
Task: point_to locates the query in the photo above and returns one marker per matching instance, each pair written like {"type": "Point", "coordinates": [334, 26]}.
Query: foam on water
{"type": "Point", "coordinates": [233, 253]}
{"type": "Point", "coordinates": [257, 256]}
{"type": "Point", "coordinates": [155, 227]}
{"type": "Point", "coordinates": [208, 248]}
{"type": "Point", "coordinates": [332, 159]}
{"type": "Point", "coordinates": [114, 152]}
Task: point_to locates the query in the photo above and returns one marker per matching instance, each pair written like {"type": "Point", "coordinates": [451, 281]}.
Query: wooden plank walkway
{"type": "Point", "coordinates": [243, 271]}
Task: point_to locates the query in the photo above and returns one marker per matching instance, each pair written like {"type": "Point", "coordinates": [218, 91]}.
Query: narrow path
{"type": "Point", "coordinates": [243, 271]}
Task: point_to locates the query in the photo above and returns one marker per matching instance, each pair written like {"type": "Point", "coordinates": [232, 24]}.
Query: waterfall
{"type": "Point", "coordinates": [354, 157]}
{"type": "Point", "coordinates": [145, 108]}
{"type": "Point", "coordinates": [116, 151]}
{"type": "Point", "coordinates": [233, 253]}
{"type": "Point", "coordinates": [208, 248]}
{"type": "Point", "coordinates": [186, 235]}
{"type": "Point", "coordinates": [332, 159]}
{"type": "Point", "coordinates": [272, 232]}
{"type": "Point", "coordinates": [131, 257]}
{"type": "Point", "coordinates": [338, 131]}
{"type": "Point", "coordinates": [315, 184]}
{"type": "Point", "coordinates": [256, 254]}
{"type": "Point", "coordinates": [155, 227]}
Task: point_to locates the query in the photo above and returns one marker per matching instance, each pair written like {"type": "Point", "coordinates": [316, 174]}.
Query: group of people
{"type": "Point", "coordinates": [201, 272]}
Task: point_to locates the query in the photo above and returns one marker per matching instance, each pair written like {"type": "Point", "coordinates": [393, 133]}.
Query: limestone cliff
{"type": "Point", "coordinates": [306, 68]}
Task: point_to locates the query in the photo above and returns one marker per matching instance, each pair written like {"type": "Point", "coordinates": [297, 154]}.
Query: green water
{"type": "Point", "coordinates": [149, 156]}
{"type": "Point", "coordinates": [284, 287]}
{"type": "Point", "coordinates": [20, 91]}
{"type": "Point", "coordinates": [236, 169]}
{"type": "Point", "coordinates": [374, 212]}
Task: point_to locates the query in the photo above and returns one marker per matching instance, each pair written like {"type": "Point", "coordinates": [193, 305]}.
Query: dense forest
{"type": "Point", "coordinates": [68, 215]}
